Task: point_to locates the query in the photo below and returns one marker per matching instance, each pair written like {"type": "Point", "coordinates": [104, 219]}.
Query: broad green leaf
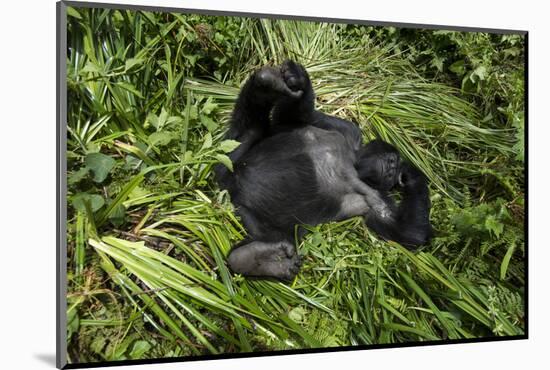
{"type": "Point", "coordinates": [96, 201]}
{"type": "Point", "coordinates": [100, 164]}
{"type": "Point", "coordinates": [117, 216]}
{"type": "Point", "coordinates": [226, 161]}
{"type": "Point", "coordinates": [117, 351]}
{"type": "Point", "coordinates": [207, 141]}
{"type": "Point", "coordinates": [188, 156]}
{"type": "Point", "coordinates": [151, 119]}
{"type": "Point", "coordinates": [173, 119]}
{"type": "Point", "coordinates": [91, 67]}
{"type": "Point", "coordinates": [208, 123]}
{"type": "Point", "coordinates": [227, 146]}
{"type": "Point", "coordinates": [75, 177]}
{"type": "Point", "coordinates": [161, 138]}
{"type": "Point", "coordinates": [135, 150]}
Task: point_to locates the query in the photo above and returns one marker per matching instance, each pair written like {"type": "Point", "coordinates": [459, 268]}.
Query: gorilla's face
{"type": "Point", "coordinates": [382, 168]}
{"type": "Point", "coordinates": [384, 171]}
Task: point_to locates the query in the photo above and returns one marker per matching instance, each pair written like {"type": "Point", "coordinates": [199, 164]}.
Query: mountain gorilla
{"type": "Point", "coordinates": [296, 165]}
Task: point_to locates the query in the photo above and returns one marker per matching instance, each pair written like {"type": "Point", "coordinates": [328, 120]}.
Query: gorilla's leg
{"type": "Point", "coordinates": [250, 118]}
{"type": "Point", "coordinates": [265, 252]}
{"type": "Point", "coordinates": [277, 260]}
{"type": "Point", "coordinates": [250, 222]}
{"type": "Point", "coordinates": [294, 110]}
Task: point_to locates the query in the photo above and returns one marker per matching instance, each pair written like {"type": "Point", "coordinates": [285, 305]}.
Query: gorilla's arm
{"type": "Point", "coordinates": [410, 224]}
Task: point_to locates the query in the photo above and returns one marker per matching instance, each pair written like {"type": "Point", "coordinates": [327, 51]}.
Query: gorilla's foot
{"type": "Point", "coordinates": [294, 76]}
{"type": "Point", "coordinates": [277, 260]}
{"type": "Point", "coordinates": [271, 78]}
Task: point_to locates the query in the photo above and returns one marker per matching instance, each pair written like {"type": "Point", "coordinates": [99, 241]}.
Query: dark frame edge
{"type": "Point", "coordinates": [61, 188]}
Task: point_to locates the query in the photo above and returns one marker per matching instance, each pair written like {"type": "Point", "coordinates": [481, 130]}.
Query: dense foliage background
{"type": "Point", "coordinates": [148, 229]}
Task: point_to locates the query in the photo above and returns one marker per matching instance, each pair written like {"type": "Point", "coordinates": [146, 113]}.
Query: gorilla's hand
{"type": "Point", "coordinates": [410, 176]}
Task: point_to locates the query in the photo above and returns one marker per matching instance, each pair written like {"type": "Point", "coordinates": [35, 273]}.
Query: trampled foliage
{"type": "Point", "coordinates": [149, 95]}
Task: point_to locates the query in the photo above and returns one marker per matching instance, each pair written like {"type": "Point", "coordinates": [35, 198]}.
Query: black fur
{"type": "Point", "coordinates": [296, 165]}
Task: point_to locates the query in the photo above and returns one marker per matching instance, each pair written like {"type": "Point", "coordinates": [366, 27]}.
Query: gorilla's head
{"type": "Point", "coordinates": [380, 165]}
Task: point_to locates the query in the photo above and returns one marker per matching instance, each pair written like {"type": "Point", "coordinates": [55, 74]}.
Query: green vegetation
{"type": "Point", "coordinates": [149, 95]}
